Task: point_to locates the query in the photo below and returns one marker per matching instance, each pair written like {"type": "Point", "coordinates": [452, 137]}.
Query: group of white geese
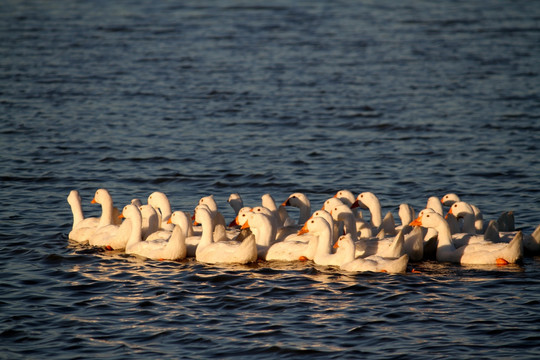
{"type": "Point", "coordinates": [337, 235]}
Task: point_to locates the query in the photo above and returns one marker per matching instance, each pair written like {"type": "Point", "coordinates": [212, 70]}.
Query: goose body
{"type": "Point", "coordinates": [451, 198]}
{"type": "Point", "coordinates": [294, 247]}
{"type": "Point", "coordinates": [107, 228]}
{"type": "Point", "coordinates": [169, 248]}
{"type": "Point", "coordinates": [480, 253]}
{"type": "Point", "coordinates": [82, 227]}
{"type": "Point", "coordinates": [236, 202]}
{"type": "Point", "coordinates": [319, 227]}
{"type": "Point", "coordinates": [263, 228]}
{"type": "Point", "coordinates": [160, 202]}
{"type": "Point", "coordinates": [345, 249]}
{"type": "Point", "coordinates": [228, 252]}
{"type": "Point", "coordinates": [386, 246]}
{"type": "Point", "coordinates": [150, 220]}
{"type": "Point", "coordinates": [368, 200]}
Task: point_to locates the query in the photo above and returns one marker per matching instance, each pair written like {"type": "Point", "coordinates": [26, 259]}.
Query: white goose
{"type": "Point", "coordinates": [323, 231]}
{"type": "Point", "coordinates": [263, 228]}
{"type": "Point", "coordinates": [82, 227]}
{"type": "Point", "coordinates": [345, 248]}
{"type": "Point", "coordinates": [217, 217]}
{"type": "Point", "coordinates": [172, 248]}
{"type": "Point", "coordinates": [150, 220]}
{"type": "Point", "coordinates": [368, 200]}
{"type": "Point", "coordinates": [348, 198]}
{"type": "Point", "coordinates": [300, 201]}
{"type": "Point", "coordinates": [279, 213]}
{"type": "Point", "coordinates": [330, 220]}
{"type": "Point", "coordinates": [236, 202]}
{"type": "Point", "coordinates": [108, 226]}
{"type": "Point", "coordinates": [531, 242]}
{"type": "Point", "coordinates": [160, 202]}
{"type": "Point", "coordinates": [361, 225]}
{"type": "Point", "coordinates": [228, 252]}
{"type": "Point", "coordinates": [380, 245]}
{"type": "Point", "coordinates": [481, 253]}
{"type": "Point", "coordinates": [462, 210]}
{"type": "Point", "coordinates": [435, 204]}
{"type": "Point", "coordinates": [114, 240]}
{"type": "Point", "coordinates": [136, 202]}
{"type": "Point", "coordinates": [292, 248]}
{"type": "Point", "coordinates": [221, 231]}
{"type": "Point", "coordinates": [451, 198]}
{"type": "Point", "coordinates": [406, 215]}
{"type": "Point", "coordinates": [193, 238]}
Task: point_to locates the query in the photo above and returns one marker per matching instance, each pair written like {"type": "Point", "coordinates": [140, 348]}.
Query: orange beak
{"type": "Point", "coordinates": [336, 245]}
{"type": "Point", "coordinates": [449, 212]}
{"type": "Point", "coordinates": [442, 200]}
{"type": "Point", "coordinates": [93, 201]}
{"type": "Point", "coordinates": [355, 204]}
{"type": "Point", "coordinates": [246, 225]}
{"type": "Point", "coordinates": [121, 216]}
{"type": "Point", "coordinates": [416, 222]}
{"type": "Point", "coordinates": [335, 195]}
{"type": "Point", "coordinates": [303, 230]}
{"type": "Point", "coordinates": [285, 203]}
{"type": "Point", "coordinates": [169, 221]}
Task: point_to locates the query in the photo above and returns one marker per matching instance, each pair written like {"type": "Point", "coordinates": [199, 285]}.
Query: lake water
{"type": "Point", "coordinates": [404, 99]}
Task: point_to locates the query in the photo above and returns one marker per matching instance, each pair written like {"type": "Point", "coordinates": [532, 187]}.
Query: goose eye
{"type": "Point", "coordinates": [361, 196]}
{"type": "Point", "coordinates": [427, 215]}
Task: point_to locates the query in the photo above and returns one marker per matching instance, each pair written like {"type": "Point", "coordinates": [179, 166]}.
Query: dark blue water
{"type": "Point", "coordinates": [404, 99]}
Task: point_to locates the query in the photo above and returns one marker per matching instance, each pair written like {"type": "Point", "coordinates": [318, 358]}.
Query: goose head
{"type": "Point", "coordinates": [179, 218]}
{"type": "Point", "coordinates": [344, 243]}
{"type": "Point", "coordinates": [131, 212]}
{"type": "Point", "coordinates": [406, 213]}
{"type": "Point", "coordinates": [73, 198]}
{"type": "Point", "coordinates": [158, 200]}
{"type": "Point", "coordinates": [242, 216]}
{"type": "Point", "coordinates": [460, 209]}
{"type": "Point", "coordinates": [449, 199]}
{"type": "Point", "coordinates": [427, 218]}
{"type": "Point", "coordinates": [210, 202]}
{"type": "Point", "coordinates": [339, 211]}
{"type": "Point", "coordinates": [365, 200]}
{"type": "Point", "coordinates": [434, 203]}
{"type": "Point", "coordinates": [297, 200]}
{"type": "Point", "coordinates": [101, 196]}
{"type": "Point", "coordinates": [314, 225]}
{"type": "Point", "coordinates": [201, 214]}
{"type": "Point", "coordinates": [346, 197]}
{"type": "Point", "coordinates": [331, 203]}
{"type": "Point", "coordinates": [236, 202]}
